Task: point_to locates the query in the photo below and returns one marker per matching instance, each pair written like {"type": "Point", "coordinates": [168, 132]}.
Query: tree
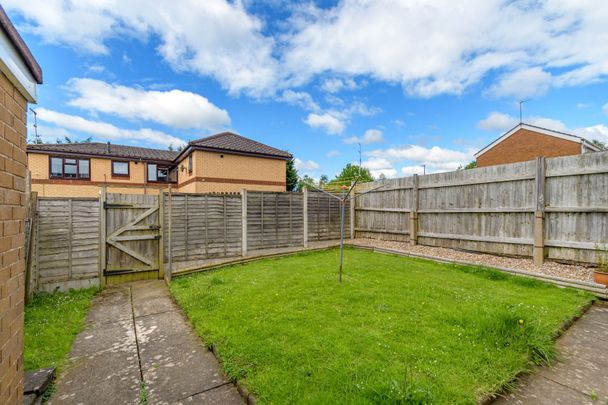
{"type": "Point", "coordinates": [470, 165]}
{"type": "Point", "coordinates": [170, 147]}
{"type": "Point", "coordinates": [323, 180]}
{"type": "Point", "coordinates": [599, 144]}
{"type": "Point", "coordinates": [67, 139]}
{"type": "Point", "coordinates": [291, 175]}
{"type": "Point", "coordinates": [353, 172]}
{"type": "Point", "coordinates": [306, 182]}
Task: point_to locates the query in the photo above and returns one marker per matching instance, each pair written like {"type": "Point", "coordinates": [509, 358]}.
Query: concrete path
{"type": "Point", "coordinates": [137, 348]}
{"type": "Point", "coordinates": [581, 374]}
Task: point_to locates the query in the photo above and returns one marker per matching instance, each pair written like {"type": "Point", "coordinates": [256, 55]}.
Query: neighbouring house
{"type": "Point", "coordinates": [221, 163]}
{"type": "Point", "coordinates": [19, 76]}
{"type": "Point", "coordinates": [527, 142]}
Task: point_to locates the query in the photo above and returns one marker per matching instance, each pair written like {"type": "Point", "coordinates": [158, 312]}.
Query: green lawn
{"type": "Point", "coordinates": [52, 321]}
{"type": "Point", "coordinates": [397, 330]}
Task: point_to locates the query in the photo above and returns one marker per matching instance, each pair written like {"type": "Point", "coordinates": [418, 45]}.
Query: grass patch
{"type": "Point", "coordinates": [52, 321]}
{"type": "Point", "coordinates": [397, 330]}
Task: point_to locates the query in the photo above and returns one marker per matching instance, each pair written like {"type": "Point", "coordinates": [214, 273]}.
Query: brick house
{"type": "Point", "coordinates": [221, 163]}
{"type": "Point", "coordinates": [527, 142]}
{"type": "Point", "coordinates": [19, 76]}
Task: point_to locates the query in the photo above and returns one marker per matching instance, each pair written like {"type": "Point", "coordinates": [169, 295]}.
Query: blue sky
{"type": "Point", "coordinates": [415, 82]}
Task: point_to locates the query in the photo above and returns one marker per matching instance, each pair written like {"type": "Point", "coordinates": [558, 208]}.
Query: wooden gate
{"type": "Point", "coordinates": [132, 237]}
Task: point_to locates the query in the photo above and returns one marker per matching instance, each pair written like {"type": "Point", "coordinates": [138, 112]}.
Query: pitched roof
{"type": "Point", "coordinates": [105, 149]}
{"type": "Point", "coordinates": [20, 46]}
{"type": "Point", "coordinates": [541, 130]}
{"type": "Point", "coordinates": [231, 142]}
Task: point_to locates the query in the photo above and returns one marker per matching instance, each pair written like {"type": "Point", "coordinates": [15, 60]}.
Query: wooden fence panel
{"type": "Point", "coordinates": [384, 214]}
{"type": "Point", "coordinates": [274, 220]}
{"type": "Point", "coordinates": [492, 209]}
{"type": "Point", "coordinates": [577, 206]}
{"type": "Point", "coordinates": [324, 217]}
{"type": "Point", "coordinates": [203, 226]}
{"type": "Point", "coordinates": [66, 248]}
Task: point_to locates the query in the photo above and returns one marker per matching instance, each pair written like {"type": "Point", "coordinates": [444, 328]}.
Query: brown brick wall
{"type": "Point", "coordinates": [526, 145]}
{"type": "Point", "coordinates": [12, 261]}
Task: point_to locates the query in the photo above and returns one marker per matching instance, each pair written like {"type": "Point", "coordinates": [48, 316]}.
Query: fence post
{"type": "Point", "coordinates": [414, 212]}
{"type": "Point", "coordinates": [32, 213]}
{"type": "Point", "coordinates": [539, 213]}
{"type": "Point", "coordinates": [352, 206]}
{"type": "Point", "coordinates": [161, 241]}
{"type": "Point", "coordinates": [169, 270]}
{"type": "Point", "coordinates": [244, 221]}
{"type": "Point", "coordinates": [305, 215]}
{"type": "Point", "coordinates": [102, 236]}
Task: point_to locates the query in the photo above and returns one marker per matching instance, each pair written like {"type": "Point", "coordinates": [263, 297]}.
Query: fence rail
{"type": "Point", "coordinates": [553, 208]}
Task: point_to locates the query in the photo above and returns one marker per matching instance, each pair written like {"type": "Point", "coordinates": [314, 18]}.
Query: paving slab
{"type": "Point", "coordinates": [168, 370]}
{"type": "Point", "coordinates": [137, 336]}
{"type": "Point", "coordinates": [580, 376]}
{"type": "Point", "coordinates": [111, 305]}
{"type": "Point", "coordinates": [539, 391]}
{"type": "Point", "coordinates": [118, 336]}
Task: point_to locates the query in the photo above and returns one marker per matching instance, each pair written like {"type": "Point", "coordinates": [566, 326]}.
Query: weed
{"type": "Point", "coordinates": [143, 393]}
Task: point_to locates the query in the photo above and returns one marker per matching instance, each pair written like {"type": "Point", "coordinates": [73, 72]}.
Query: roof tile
{"type": "Point", "coordinates": [231, 142]}
{"type": "Point", "coordinates": [105, 149]}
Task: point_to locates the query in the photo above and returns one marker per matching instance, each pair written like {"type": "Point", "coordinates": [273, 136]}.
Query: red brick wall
{"type": "Point", "coordinates": [526, 145]}
{"type": "Point", "coordinates": [12, 213]}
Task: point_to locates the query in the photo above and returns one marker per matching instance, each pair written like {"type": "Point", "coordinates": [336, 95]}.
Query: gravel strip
{"type": "Point", "coordinates": [570, 271]}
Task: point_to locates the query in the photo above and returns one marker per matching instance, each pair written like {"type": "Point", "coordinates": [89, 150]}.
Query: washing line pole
{"type": "Point", "coordinates": [344, 198]}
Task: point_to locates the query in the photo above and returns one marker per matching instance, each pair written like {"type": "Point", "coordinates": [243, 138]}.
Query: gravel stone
{"type": "Point", "coordinates": [571, 271]}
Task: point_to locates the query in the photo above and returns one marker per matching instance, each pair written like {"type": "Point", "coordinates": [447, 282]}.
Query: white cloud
{"type": "Point", "coordinates": [332, 153]}
{"type": "Point", "coordinates": [599, 132]}
{"type": "Point", "coordinates": [329, 122]}
{"type": "Point", "coordinates": [334, 121]}
{"type": "Point", "coordinates": [104, 130]}
{"type": "Point", "coordinates": [530, 82]}
{"type": "Point", "coordinates": [370, 136]}
{"type": "Point", "coordinates": [335, 85]}
{"type": "Point", "coordinates": [306, 165]}
{"type": "Point", "coordinates": [174, 108]}
{"type": "Point", "coordinates": [300, 98]}
{"type": "Point", "coordinates": [411, 170]}
{"type": "Point", "coordinates": [436, 159]}
{"type": "Point", "coordinates": [497, 121]}
{"type": "Point", "coordinates": [214, 38]}
{"type": "Point", "coordinates": [449, 46]}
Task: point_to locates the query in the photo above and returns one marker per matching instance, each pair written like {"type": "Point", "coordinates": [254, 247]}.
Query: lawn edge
{"type": "Point", "coordinates": [241, 387]}
{"type": "Point", "coordinates": [505, 389]}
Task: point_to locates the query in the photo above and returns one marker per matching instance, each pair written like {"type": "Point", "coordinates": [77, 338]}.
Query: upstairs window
{"type": "Point", "coordinates": [120, 169]}
{"type": "Point", "coordinates": [190, 163]}
{"type": "Point", "coordinates": [69, 168]}
{"type": "Point", "coordinates": [158, 173]}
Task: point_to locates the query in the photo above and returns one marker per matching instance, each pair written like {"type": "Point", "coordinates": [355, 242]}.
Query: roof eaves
{"type": "Point", "coordinates": [20, 46]}
{"type": "Point", "coordinates": [548, 131]}
{"type": "Point", "coordinates": [98, 155]}
{"type": "Point", "coordinates": [241, 152]}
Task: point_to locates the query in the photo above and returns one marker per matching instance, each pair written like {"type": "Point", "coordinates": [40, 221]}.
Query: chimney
{"type": "Point", "coordinates": [108, 146]}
